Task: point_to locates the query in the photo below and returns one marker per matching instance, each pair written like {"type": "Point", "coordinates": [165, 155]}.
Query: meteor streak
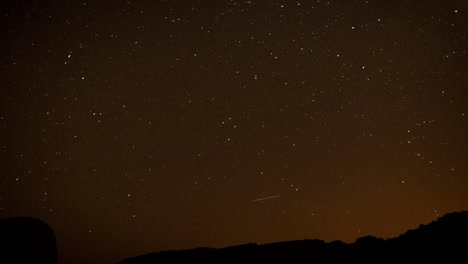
{"type": "Point", "coordinates": [266, 198]}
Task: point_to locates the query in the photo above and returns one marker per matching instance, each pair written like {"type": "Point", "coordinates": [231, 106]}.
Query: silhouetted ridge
{"type": "Point", "coordinates": [444, 240]}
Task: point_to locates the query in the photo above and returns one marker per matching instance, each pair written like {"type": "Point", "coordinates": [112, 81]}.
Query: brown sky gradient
{"type": "Point", "coordinates": [141, 126]}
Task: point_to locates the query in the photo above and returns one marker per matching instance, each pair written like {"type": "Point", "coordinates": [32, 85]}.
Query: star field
{"type": "Point", "coordinates": [138, 126]}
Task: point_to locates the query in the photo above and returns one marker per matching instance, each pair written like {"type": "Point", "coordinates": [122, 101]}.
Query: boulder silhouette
{"type": "Point", "coordinates": [27, 240]}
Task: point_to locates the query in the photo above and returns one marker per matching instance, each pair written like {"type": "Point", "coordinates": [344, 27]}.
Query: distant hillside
{"type": "Point", "coordinates": [443, 241]}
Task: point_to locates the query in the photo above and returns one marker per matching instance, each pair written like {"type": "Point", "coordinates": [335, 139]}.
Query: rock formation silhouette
{"type": "Point", "coordinates": [27, 240]}
{"type": "Point", "coordinates": [443, 241]}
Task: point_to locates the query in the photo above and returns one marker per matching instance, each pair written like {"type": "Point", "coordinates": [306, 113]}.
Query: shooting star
{"type": "Point", "coordinates": [266, 198]}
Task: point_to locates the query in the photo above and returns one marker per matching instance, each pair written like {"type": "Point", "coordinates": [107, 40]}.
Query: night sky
{"type": "Point", "coordinates": [137, 126]}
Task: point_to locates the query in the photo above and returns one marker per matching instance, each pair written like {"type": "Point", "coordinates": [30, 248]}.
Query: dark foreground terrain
{"type": "Point", "coordinates": [443, 241]}
{"type": "Point", "coordinates": [27, 240]}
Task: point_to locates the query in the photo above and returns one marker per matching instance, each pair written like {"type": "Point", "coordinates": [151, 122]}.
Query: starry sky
{"type": "Point", "coordinates": [137, 126]}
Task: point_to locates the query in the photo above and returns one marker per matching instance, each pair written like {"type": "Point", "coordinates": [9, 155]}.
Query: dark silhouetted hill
{"type": "Point", "coordinates": [27, 240]}
{"type": "Point", "coordinates": [443, 241]}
